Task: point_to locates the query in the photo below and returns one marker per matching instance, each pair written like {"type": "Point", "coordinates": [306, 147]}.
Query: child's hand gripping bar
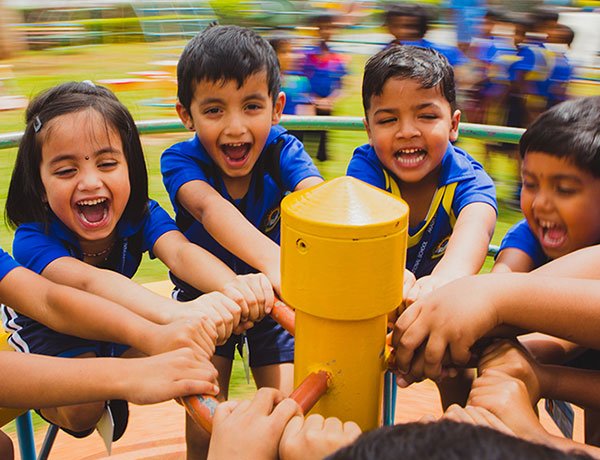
{"type": "Point", "coordinates": [202, 407]}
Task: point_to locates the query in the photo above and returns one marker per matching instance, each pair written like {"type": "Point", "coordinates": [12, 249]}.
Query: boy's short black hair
{"type": "Point", "coordinates": [413, 10]}
{"type": "Point", "coordinates": [495, 14]}
{"type": "Point", "coordinates": [224, 53]}
{"type": "Point", "coordinates": [26, 183]}
{"type": "Point", "coordinates": [424, 65]}
{"type": "Point", "coordinates": [446, 440]}
{"type": "Point", "coordinates": [568, 130]}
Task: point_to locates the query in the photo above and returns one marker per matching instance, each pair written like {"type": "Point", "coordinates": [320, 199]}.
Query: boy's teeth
{"type": "Point", "coordinates": [91, 202]}
{"type": "Point", "coordinates": [546, 224]}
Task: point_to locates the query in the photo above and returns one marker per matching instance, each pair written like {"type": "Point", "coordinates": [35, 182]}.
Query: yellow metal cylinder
{"type": "Point", "coordinates": [343, 249]}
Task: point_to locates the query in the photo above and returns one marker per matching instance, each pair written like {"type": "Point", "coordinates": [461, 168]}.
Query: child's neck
{"type": "Point", "coordinates": [418, 196]}
{"type": "Point", "coordinates": [237, 187]}
{"type": "Point", "coordinates": [98, 250]}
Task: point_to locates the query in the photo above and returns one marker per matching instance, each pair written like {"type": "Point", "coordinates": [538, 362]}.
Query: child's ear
{"type": "Point", "coordinates": [454, 126]}
{"type": "Point", "coordinates": [278, 108]}
{"type": "Point", "coordinates": [184, 116]}
{"type": "Point", "coordinates": [368, 129]}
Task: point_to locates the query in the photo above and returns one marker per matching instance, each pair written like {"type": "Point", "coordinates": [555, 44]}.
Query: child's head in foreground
{"type": "Point", "coordinates": [445, 440]}
{"type": "Point", "coordinates": [80, 158]}
{"type": "Point", "coordinates": [409, 100]}
{"type": "Point", "coordinates": [228, 92]}
{"type": "Point", "coordinates": [406, 22]}
{"type": "Point", "coordinates": [561, 176]}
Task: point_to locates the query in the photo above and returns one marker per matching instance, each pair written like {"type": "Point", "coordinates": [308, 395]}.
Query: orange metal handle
{"type": "Point", "coordinates": [284, 315]}
{"type": "Point", "coordinates": [201, 408]}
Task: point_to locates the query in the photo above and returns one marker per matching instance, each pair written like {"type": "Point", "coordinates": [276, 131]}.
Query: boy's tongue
{"type": "Point", "coordinates": [235, 153]}
{"type": "Point", "coordinates": [93, 213]}
{"type": "Point", "coordinates": [554, 235]}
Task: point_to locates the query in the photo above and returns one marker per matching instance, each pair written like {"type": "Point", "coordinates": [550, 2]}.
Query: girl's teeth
{"type": "Point", "coordinates": [91, 202]}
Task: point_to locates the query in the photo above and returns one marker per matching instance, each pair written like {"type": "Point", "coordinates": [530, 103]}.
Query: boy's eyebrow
{"type": "Point", "coordinates": [72, 156]}
{"type": "Point", "coordinates": [422, 106]}
{"type": "Point", "coordinates": [426, 105]}
{"type": "Point", "coordinates": [257, 95]}
{"type": "Point", "coordinates": [556, 177]}
{"type": "Point", "coordinates": [217, 100]}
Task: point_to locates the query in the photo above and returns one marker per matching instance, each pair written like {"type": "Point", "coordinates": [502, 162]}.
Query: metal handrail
{"type": "Point", "coordinates": [310, 123]}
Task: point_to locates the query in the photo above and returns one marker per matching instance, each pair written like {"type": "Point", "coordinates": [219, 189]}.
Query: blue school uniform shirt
{"type": "Point", "coordinates": [536, 62]}
{"type": "Point", "coordinates": [36, 245]}
{"type": "Point", "coordinates": [188, 161]}
{"type": "Point", "coordinates": [520, 236]}
{"type": "Point", "coordinates": [7, 264]}
{"type": "Point", "coordinates": [462, 181]}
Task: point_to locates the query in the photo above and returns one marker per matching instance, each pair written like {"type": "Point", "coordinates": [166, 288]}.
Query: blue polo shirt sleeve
{"type": "Point", "coordinates": [479, 188]}
{"type": "Point", "coordinates": [156, 223]}
{"type": "Point", "coordinates": [179, 164]}
{"type": "Point", "coordinates": [295, 164]}
{"type": "Point", "coordinates": [7, 264]}
{"type": "Point", "coordinates": [521, 237]}
{"type": "Point", "coordinates": [34, 249]}
{"type": "Point", "coordinates": [364, 165]}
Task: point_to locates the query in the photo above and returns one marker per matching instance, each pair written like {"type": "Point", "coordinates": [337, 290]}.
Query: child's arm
{"type": "Point", "coordinates": [466, 249]}
{"type": "Point", "coordinates": [230, 228]}
{"type": "Point", "coordinates": [41, 381]}
{"type": "Point", "coordinates": [455, 316]}
{"type": "Point", "coordinates": [507, 398]}
{"type": "Point", "coordinates": [513, 260]}
{"type": "Point", "coordinates": [74, 312]}
{"type": "Point", "coordinates": [205, 272]}
{"type": "Point", "coordinates": [578, 386]}
{"type": "Point", "coordinates": [215, 307]}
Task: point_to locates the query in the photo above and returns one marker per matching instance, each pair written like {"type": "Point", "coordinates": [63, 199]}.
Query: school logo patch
{"type": "Point", "coordinates": [440, 249]}
{"type": "Point", "coordinates": [271, 220]}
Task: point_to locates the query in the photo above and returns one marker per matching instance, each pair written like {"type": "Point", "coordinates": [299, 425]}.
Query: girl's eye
{"type": "Point", "coordinates": [253, 107]}
{"type": "Point", "coordinates": [107, 164]}
{"type": "Point", "coordinates": [385, 121]}
{"type": "Point", "coordinates": [428, 116]}
{"type": "Point", "coordinates": [64, 172]}
{"type": "Point", "coordinates": [212, 111]}
{"type": "Point", "coordinates": [529, 185]}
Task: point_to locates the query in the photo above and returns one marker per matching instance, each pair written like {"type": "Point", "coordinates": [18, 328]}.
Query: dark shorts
{"type": "Point", "coordinates": [268, 342]}
{"type": "Point", "coordinates": [32, 337]}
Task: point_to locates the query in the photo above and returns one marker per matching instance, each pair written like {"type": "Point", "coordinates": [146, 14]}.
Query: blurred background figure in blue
{"type": "Point", "coordinates": [467, 16]}
{"type": "Point", "coordinates": [325, 70]}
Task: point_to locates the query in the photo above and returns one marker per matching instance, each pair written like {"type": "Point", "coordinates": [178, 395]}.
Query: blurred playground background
{"type": "Point", "coordinates": [133, 47]}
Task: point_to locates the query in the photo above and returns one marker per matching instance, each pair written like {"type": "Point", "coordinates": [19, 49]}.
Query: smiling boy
{"type": "Point", "coordinates": [227, 182]}
{"type": "Point", "coordinates": [411, 119]}
{"type": "Point", "coordinates": [561, 187]}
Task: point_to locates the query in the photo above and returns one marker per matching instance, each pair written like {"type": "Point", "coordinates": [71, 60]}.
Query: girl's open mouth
{"type": "Point", "coordinates": [236, 154]}
{"type": "Point", "coordinates": [93, 213]}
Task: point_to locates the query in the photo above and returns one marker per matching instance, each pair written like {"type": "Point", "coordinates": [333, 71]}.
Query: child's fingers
{"type": "Point", "coordinates": [223, 410]}
{"type": "Point", "coordinates": [268, 294]}
{"type": "Point", "coordinates": [283, 413]}
{"type": "Point", "coordinates": [405, 338]}
{"type": "Point", "coordinates": [265, 400]}
{"type": "Point", "coordinates": [235, 293]}
{"type": "Point", "coordinates": [333, 424]}
{"type": "Point", "coordinates": [293, 427]}
{"type": "Point", "coordinates": [432, 357]}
